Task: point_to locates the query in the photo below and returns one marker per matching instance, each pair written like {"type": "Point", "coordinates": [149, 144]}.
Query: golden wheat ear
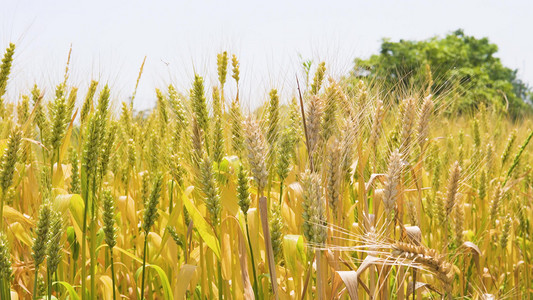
{"type": "Point", "coordinates": [428, 259]}
{"type": "Point", "coordinates": [257, 154]}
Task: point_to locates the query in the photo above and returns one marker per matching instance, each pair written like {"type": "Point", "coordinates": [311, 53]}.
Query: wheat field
{"type": "Point", "coordinates": [343, 191]}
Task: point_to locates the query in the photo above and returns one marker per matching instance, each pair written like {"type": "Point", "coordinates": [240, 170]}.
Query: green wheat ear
{"type": "Point", "coordinates": [210, 191]}
{"type": "Point", "coordinates": [162, 110]}
{"type": "Point", "coordinates": [222, 68]}
{"type": "Point", "coordinates": [88, 102]}
{"type": "Point", "coordinates": [9, 159]}
{"type": "Point", "coordinates": [218, 131]}
{"type": "Point", "coordinates": [333, 176]}
{"type": "Point", "coordinates": [107, 148]}
{"type": "Point", "coordinates": [71, 102]}
{"type": "Point", "coordinates": [150, 211]}
{"type": "Point", "coordinates": [175, 236]}
{"type": "Point", "coordinates": [177, 107]}
{"type": "Point", "coordinates": [5, 70]}
{"type": "Point", "coordinates": [516, 159]}
{"type": "Point", "coordinates": [23, 110]}
{"type": "Point", "coordinates": [237, 136]}
{"type": "Point", "coordinates": [75, 184]}
{"type": "Point", "coordinates": [504, 239]}
{"type": "Point", "coordinates": [295, 124]}
{"type": "Point", "coordinates": [329, 120]}
{"type": "Point", "coordinates": [45, 182]}
{"type": "Point", "coordinates": [6, 271]}
{"type": "Point", "coordinates": [508, 147]}
{"type": "Point", "coordinates": [199, 105]}
{"type": "Point", "coordinates": [145, 187]}
{"type": "Point", "coordinates": [197, 143]}
{"type": "Point", "coordinates": [243, 195]}
{"type": "Point", "coordinates": [108, 217]}
{"type": "Point", "coordinates": [23, 117]}
{"type": "Point", "coordinates": [277, 226]}
{"type": "Point", "coordinates": [91, 147]}
{"type": "Point", "coordinates": [41, 237]}
{"type": "Point", "coordinates": [40, 119]}
{"type": "Point", "coordinates": [58, 111]}
{"type": "Point", "coordinates": [285, 155]}
{"type": "Point", "coordinates": [103, 103]}
{"type": "Point", "coordinates": [273, 117]}
{"type": "Point", "coordinates": [53, 251]}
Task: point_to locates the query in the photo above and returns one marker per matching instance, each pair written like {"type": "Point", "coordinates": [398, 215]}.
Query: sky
{"type": "Point", "coordinates": [110, 39]}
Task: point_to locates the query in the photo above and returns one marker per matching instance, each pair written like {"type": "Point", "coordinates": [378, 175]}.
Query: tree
{"type": "Point", "coordinates": [458, 63]}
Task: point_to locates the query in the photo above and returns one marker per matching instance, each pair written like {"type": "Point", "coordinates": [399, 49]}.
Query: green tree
{"type": "Point", "coordinates": [458, 63]}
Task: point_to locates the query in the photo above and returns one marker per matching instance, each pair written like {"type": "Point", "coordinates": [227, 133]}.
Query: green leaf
{"type": "Point", "coordinates": [130, 255]}
{"type": "Point", "coordinates": [294, 249]}
{"type": "Point", "coordinates": [75, 204]}
{"type": "Point", "coordinates": [72, 293]}
{"type": "Point", "coordinates": [205, 231]}
{"type": "Point", "coordinates": [164, 279]}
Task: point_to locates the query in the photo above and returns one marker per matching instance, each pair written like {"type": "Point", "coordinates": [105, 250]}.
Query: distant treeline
{"type": "Point", "coordinates": [458, 64]}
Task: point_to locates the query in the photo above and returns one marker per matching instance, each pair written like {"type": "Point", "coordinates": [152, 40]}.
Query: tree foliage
{"type": "Point", "coordinates": [460, 64]}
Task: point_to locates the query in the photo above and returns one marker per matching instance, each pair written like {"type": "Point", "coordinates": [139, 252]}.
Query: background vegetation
{"type": "Point", "coordinates": [465, 64]}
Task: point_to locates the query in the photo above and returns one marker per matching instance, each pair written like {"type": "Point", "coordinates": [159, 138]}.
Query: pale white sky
{"type": "Point", "coordinates": [110, 38]}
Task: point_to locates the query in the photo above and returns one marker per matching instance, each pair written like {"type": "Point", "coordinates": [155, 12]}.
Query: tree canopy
{"type": "Point", "coordinates": [457, 63]}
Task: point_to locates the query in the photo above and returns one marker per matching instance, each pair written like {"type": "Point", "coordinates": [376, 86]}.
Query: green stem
{"type": "Point", "coordinates": [220, 281]}
{"type": "Point", "coordinates": [319, 274]}
{"type": "Point", "coordinates": [5, 286]}
{"type": "Point", "coordinates": [34, 296]}
{"type": "Point", "coordinates": [92, 245]}
{"type": "Point", "coordinates": [252, 258]}
{"type": "Point", "coordinates": [280, 191]}
{"type": "Point", "coordinates": [219, 264]}
{"type": "Point", "coordinates": [84, 245]}
{"type": "Point", "coordinates": [530, 293]}
{"type": "Point", "coordinates": [202, 265]}
{"type": "Point", "coordinates": [112, 272]}
{"type": "Point", "coordinates": [49, 281]}
{"type": "Point", "coordinates": [144, 263]}
{"type": "Point", "coordinates": [209, 260]}
{"type": "Point", "coordinates": [56, 278]}
{"type": "Point", "coordinates": [2, 292]}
